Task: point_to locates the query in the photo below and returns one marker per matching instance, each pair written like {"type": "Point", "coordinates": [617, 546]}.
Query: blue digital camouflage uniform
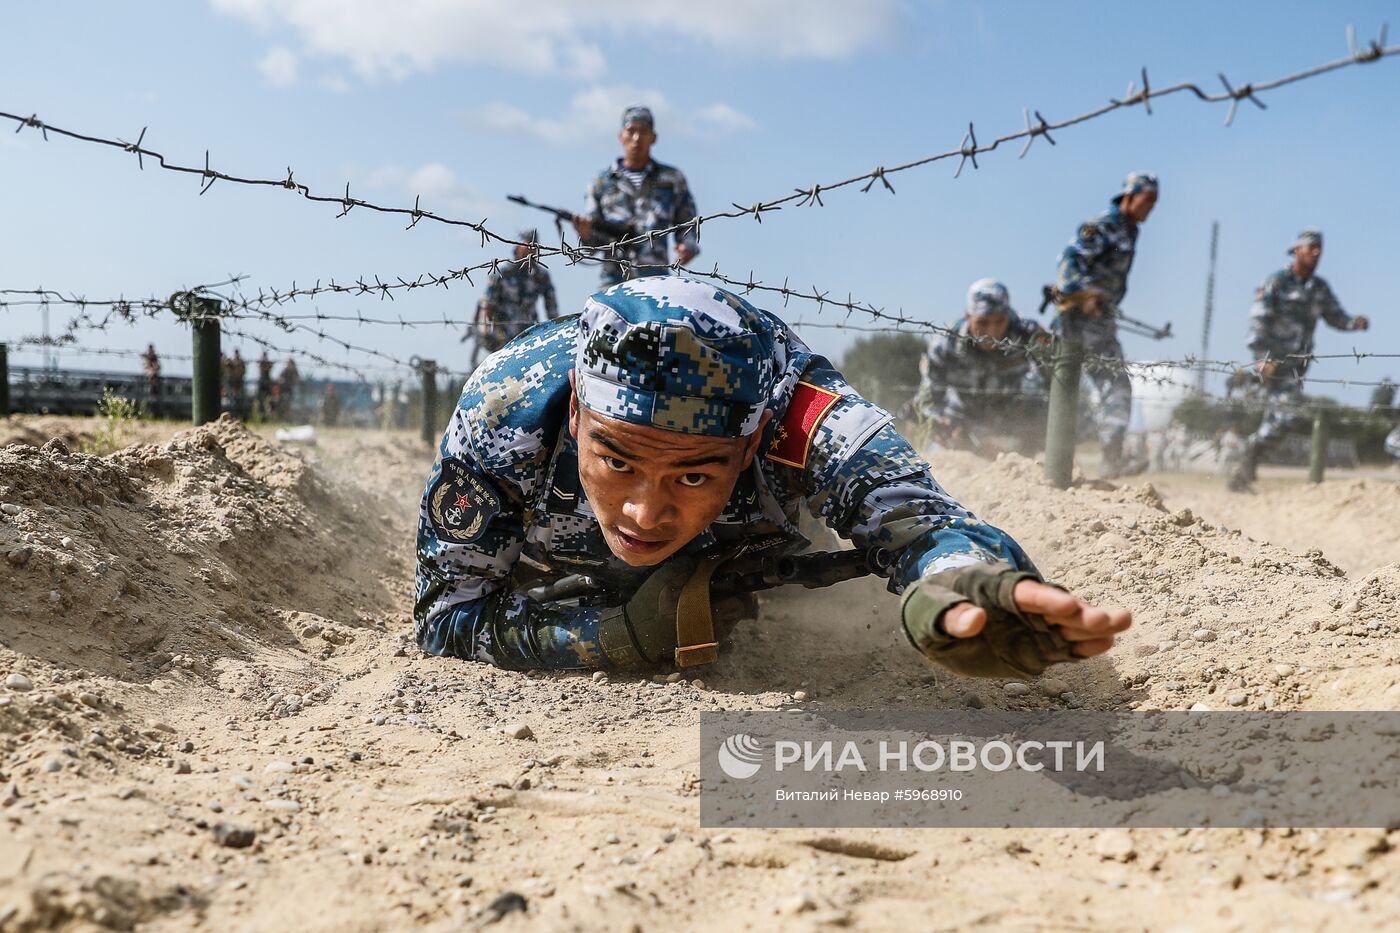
{"type": "Point", "coordinates": [1097, 261]}
{"type": "Point", "coordinates": [1282, 322]}
{"type": "Point", "coordinates": [506, 487]}
{"type": "Point", "coordinates": [662, 200]}
{"type": "Point", "coordinates": [999, 388]}
{"type": "Point", "coordinates": [515, 290]}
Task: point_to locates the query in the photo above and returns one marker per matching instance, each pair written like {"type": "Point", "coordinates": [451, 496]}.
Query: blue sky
{"type": "Point", "coordinates": [464, 103]}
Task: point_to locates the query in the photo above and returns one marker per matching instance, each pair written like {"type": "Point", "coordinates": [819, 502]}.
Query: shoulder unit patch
{"type": "Point", "coordinates": [792, 439]}
{"type": "Point", "coordinates": [461, 503]}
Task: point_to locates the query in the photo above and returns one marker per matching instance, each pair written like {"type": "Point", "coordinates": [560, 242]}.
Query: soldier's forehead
{"type": "Point", "coordinates": [643, 438]}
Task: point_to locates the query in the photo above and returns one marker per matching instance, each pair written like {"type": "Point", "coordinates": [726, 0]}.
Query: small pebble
{"type": "Point", "coordinates": [18, 681]}
{"type": "Point", "coordinates": [800, 696]}
{"type": "Point", "coordinates": [1053, 686]}
{"type": "Point", "coordinates": [90, 699]}
{"type": "Point", "coordinates": [1203, 634]}
{"type": "Point", "coordinates": [9, 508]}
{"type": "Point", "coordinates": [673, 677]}
{"type": "Point", "coordinates": [519, 731]}
{"type": "Point", "coordinates": [1016, 689]}
{"type": "Point", "coordinates": [600, 676]}
{"type": "Point", "coordinates": [698, 684]}
{"type": "Point", "coordinates": [284, 806]}
{"type": "Point", "coordinates": [53, 765]}
{"type": "Point", "coordinates": [972, 701]}
{"type": "Point", "coordinates": [279, 767]}
{"type": "Point", "coordinates": [1238, 699]}
{"type": "Point", "coordinates": [233, 836]}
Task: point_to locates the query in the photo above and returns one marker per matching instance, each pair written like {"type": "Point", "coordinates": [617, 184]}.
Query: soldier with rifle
{"type": "Point", "coordinates": [664, 442]}
{"type": "Point", "coordinates": [631, 197]}
{"type": "Point", "coordinates": [1093, 278]}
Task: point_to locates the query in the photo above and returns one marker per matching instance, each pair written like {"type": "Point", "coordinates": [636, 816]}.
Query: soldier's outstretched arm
{"type": "Point", "coordinates": [972, 599]}
{"type": "Point", "coordinates": [1336, 317]}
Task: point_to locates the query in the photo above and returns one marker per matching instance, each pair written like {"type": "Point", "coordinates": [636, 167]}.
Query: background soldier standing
{"type": "Point", "coordinates": [1093, 278]}
{"type": "Point", "coordinates": [1281, 327]}
{"type": "Point", "coordinates": [981, 377]}
{"type": "Point", "coordinates": [150, 366]}
{"type": "Point", "coordinates": [264, 397]}
{"type": "Point", "coordinates": [287, 382]}
{"type": "Point", "coordinates": [643, 194]}
{"type": "Point", "coordinates": [235, 375]}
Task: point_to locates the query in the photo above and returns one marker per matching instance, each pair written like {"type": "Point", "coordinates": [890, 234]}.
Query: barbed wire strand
{"type": "Point", "coordinates": [808, 195]}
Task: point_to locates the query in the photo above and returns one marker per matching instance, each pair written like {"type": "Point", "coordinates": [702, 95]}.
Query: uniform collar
{"type": "Point", "coordinates": [619, 168]}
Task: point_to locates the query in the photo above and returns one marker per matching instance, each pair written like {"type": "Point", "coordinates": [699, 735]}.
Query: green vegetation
{"type": "Point", "coordinates": [118, 413]}
{"type": "Point", "coordinates": [885, 368]}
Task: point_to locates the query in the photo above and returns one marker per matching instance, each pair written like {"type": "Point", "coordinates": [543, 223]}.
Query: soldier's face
{"type": "Point", "coordinates": [987, 329]}
{"type": "Point", "coordinates": [654, 491]}
{"type": "Point", "coordinates": [1138, 206]}
{"type": "Point", "coordinates": [1305, 258]}
{"type": "Point", "coordinates": [637, 139]}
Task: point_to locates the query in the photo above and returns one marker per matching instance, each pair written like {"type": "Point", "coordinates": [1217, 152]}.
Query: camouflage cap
{"type": "Point", "coordinates": [673, 353]}
{"type": "Point", "coordinates": [1306, 238]}
{"type": "Point", "coordinates": [988, 296]}
{"type": "Point", "coordinates": [1138, 182]}
{"type": "Point", "coordinates": [637, 115]}
{"type": "Point", "coordinates": [529, 235]}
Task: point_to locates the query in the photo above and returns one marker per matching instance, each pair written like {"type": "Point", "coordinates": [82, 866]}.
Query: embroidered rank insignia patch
{"type": "Point", "coordinates": [792, 440]}
{"type": "Point", "coordinates": [461, 504]}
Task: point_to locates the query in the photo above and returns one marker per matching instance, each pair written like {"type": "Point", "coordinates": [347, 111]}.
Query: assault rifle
{"type": "Point", "coordinates": [613, 231]}
{"type": "Point", "coordinates": [1049, 295]}
{"type": "Point", "coordinates": [747, 573]}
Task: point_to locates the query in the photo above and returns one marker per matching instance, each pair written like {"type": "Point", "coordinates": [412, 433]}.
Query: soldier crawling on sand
{"type": "Point", "coordinates": [661, 431]}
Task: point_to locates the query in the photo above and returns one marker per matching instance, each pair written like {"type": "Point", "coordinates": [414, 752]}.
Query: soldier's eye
{"type": "Point", "coordinates": [694, 479]}
{"type": "Point", "coordinates": [616, 465]}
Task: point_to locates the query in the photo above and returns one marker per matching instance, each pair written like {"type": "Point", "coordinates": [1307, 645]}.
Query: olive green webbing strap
{"type": "Point", "coordinates": [695, 626]}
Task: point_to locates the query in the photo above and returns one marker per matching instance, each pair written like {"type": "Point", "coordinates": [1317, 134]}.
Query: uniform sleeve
{"type": "Point", "coordinates": [593, 207]}
{"type": "Point", "coordinates": [684, 213]}
{"type": "Point", "coordinates": [1079, 257]}
{"type": "Point", "coordinates": [1263, 314]}
{"type": "Point", "coordinates": [470, 534]}
{"type": "Point", "coordinates": [1331, 309]}
{"type": "Point", "coordinates": [868, 484]}
{"type": "Point", "coordinates": [887, 497]}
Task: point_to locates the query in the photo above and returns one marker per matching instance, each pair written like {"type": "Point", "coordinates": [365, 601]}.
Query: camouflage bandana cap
{"type": "Point", "coordinates": [673, 353]}
{"type": "Point", "coordinates": [1306, 238]}
{"type": "Point", "coordinates": [988, 296]}
{"type": "Point", "coordinates": [1137, 182]}
{"type": "Point", "coordinates": [637, 115]}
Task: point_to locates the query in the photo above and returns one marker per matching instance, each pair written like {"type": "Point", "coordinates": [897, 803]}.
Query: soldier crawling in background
{"type": "Point", "coordinates": [1281, 327]}
{"type": "Point", "coordinates": [981, 379]}
{"type": "Point", "coordinates": [1093, 278]}
{"type": "Point", "coordinates": [641, 194]}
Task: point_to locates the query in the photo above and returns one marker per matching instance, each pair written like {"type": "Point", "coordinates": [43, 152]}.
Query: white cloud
{"type": "Point", "coordinates": [279, 66]}
{"type": "Point", "coordinates": [392, 39]}
{"type": "Point", "coordinates": [441, 191]}
{"type": "Point", "coordinates": [594, 112]}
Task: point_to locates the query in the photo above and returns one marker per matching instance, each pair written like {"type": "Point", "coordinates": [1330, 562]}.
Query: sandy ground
{"type": "Point", "coordinates": [206, 644]}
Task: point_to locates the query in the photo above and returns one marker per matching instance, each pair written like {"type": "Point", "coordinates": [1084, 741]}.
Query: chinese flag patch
{"type": "Point", "coordinates": [792, 441]}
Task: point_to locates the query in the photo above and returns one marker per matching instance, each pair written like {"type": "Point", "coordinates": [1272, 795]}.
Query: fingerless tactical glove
{"type": "Point", "coordinates": [1013, 643]}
